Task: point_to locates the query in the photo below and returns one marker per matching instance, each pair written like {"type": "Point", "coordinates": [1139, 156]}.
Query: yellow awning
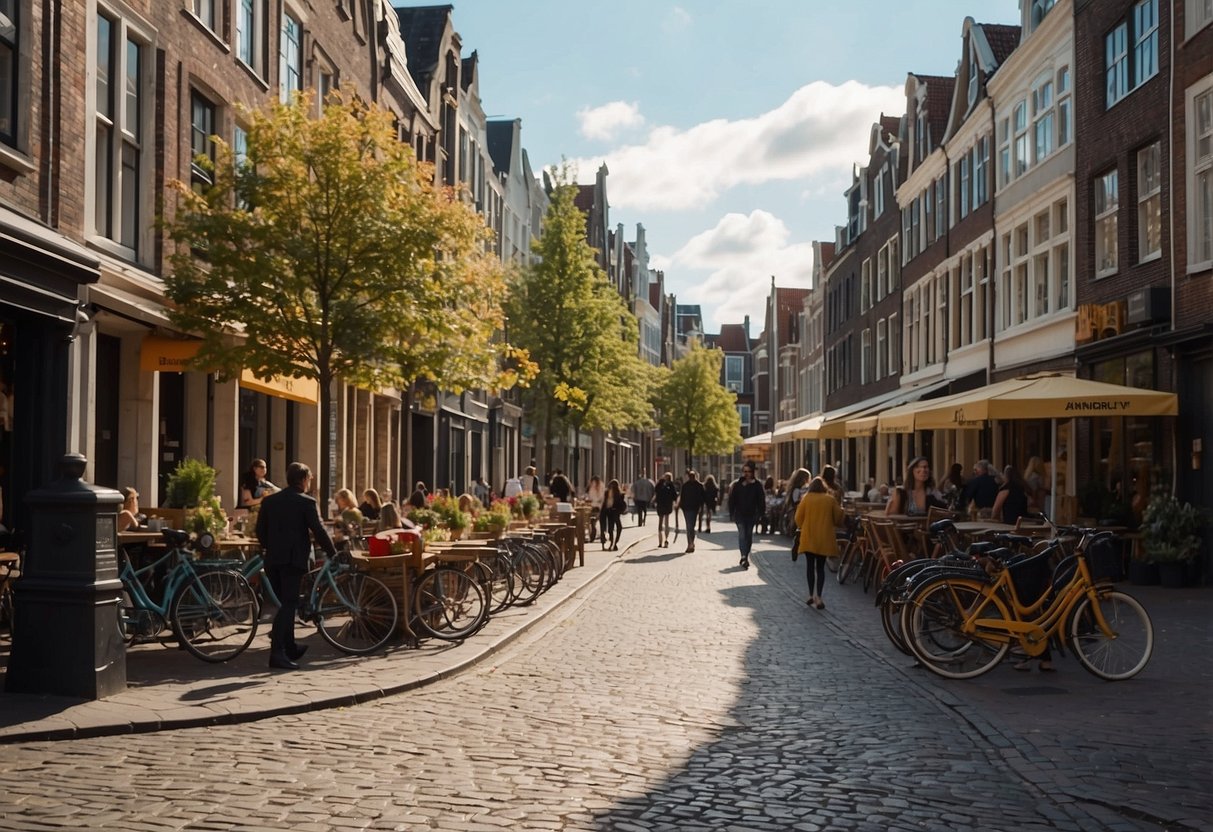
{"type": "Point", "coordinates": [304, 390]}
{"type": "Point", "coordinates": [804, 427]}
{"type": "Point", "coordinates": [863, 426]}
{"type": "Point", "coordinates": [1046, 397]}
{"type": "Point", "coordinates": [761, 440]}
{"type": "Point", "coordinates": [173, 355]}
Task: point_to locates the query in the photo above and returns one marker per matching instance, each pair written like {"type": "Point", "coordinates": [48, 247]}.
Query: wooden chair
{"type": "Point", "coordinates": [923, 538]}
{"type": "Point", "coordinates": [1032, 527]}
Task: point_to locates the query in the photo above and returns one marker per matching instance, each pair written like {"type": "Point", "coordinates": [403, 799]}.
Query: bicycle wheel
{"type": "Point", "coordinates": [529, 577]}
{"type": "Point", "coordinates": [1120, 654]}
{"type": "Point", "coordinates": [501, 583]}
{"type": "Point", "coordinates": [356, 613]}
{"type": "Point", "coordinates": [890, 619]}
{"type": "Point", "coordinates": [932, 623]}
{"type": "Point", "coordinates": [449, 604]}
{"type": "Point", "coordinates": [215, 615]}
{"type": "Point", "coordinates": [848, 563]}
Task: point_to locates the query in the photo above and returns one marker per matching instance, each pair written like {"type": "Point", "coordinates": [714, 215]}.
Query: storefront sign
{"type": "Point", "coordinates": [1094, 407]}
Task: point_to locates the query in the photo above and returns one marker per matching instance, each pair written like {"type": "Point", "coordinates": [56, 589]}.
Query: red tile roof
{"type": "Point", "coordinates": [1002, 39]}
{"type": "Point", "coordinates": [732, 338]}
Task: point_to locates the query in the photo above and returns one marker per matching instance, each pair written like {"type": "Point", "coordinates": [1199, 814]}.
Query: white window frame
{"type": "Point", "coordinates": [882, 348]}
{"type": "Point", "coordinates": [981, 165]}
{"type": "Point", "coordinates": [1145, 41]}
{"type": "Point", "coordinates": [865, 356]}
{"type": "Point", "coordinates": [1199, 174]}
{"type": "Point", "coordinates": [1065, 107]}
{"type": "Point", "coordinates": [962, 186]}
{"type": "Point", "coordinates": [288, 49]}
{"type": "Point", "coordinates": [878, 193]}
{"type": "Point", "coordinates": [865, 285]}
{"type": "Point", "coordinates": [1044, 118]}
{"type": "Point", "coordinates": [736, 385]}
{"type": "Point", "coordinates": [1149, 202]}
{"type": "Point", "coordinates": [973, 75]}
{"type": "Point", "coordinates": [894, 264]}
{"type": "Point", "coordinates": [894, 345]}
{"type": "Point", "coordinates": [941, 205]}
{"type": "Point", "coordinates": [1106, 202]}
{"type": "Point", "coordinates": [250, 50]}
{"type": "Point", "coordinates": [1021, 158]}
{"type": "Point", "coordinates": [882, 273]}
{"type": "Point", "coordinates": [1197, 15]}
{"type": "Point", "coordinates": [205, 11]}
{"type": "Point", "coordinates": [124, 32]}
{"type": "Point", "coordinates": [1116, 64]}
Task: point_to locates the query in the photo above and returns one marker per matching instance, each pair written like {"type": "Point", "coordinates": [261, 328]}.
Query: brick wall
{"type": "Point", "coordinates": [1194, 62]}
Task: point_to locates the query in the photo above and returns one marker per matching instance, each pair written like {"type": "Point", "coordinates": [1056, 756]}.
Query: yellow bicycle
{"type": "Point", "coordinates": [961, 627]}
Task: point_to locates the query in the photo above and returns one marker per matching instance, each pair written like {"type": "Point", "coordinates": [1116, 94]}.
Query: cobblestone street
{"type": "Point", "coordinates": [682, 693]}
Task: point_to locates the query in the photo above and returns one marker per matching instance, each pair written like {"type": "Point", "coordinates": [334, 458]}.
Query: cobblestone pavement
{"type": "Point", "coordinates": [682, 693]}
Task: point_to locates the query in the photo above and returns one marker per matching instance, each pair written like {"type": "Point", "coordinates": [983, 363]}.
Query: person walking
{"type": "Point", "coordinates": [595, 493]}
{"type": "Point", "coordinates": [664, 496]}
{"type": "Point", "coordinates": [691, 499]}
{"type": "Point", "coordinates": [642, 494]}
{"type": "Point", "coordinates": [747, 502]}
{"type": "Point", "coordinates": [288, 524]}
{"type": "Point", "coordinates": [817, 516]}
{"type": "Point", "coordinates": [560, 487]}
{"type": "Point", "coordinates": [711, 500]}
{"type": "Point", "coordinates": [614, 504]}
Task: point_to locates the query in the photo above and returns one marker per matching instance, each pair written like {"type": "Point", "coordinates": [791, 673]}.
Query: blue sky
{"type": "Point", "coordinates": [729, 127]}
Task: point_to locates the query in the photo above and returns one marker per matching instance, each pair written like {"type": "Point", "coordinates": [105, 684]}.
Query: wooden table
{"type": "Point", "coordinates": [976, 528]}
{"type": "Point", "coordinates": [139, 536]}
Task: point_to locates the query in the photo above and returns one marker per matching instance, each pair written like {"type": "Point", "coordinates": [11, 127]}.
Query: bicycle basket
{"type": "Point", "coordinates": [1103, 558]}
{"type": "Point", "coordinates": [1030, 576]}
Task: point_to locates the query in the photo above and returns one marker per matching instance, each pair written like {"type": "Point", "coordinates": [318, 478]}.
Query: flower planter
{"type": "Point", "coordinates": [1143, 573]}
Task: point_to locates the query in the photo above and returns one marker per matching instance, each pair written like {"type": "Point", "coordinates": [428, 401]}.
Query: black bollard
{"type": "Point", "coordinates": [65, 627]}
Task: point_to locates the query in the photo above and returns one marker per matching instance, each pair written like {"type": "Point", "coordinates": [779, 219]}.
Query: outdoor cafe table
{"type": "Point", "coordinates": [980, 528]}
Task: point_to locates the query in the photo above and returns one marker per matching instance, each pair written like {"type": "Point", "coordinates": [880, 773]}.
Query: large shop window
{"type": "Point", "coordinates": [1128, 451]}
{"type": "Point", "coordinates": [6, 430]}
{"type": "Point", "coordinates": [9, 52]}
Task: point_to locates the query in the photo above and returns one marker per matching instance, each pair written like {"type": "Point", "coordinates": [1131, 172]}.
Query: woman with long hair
{"type": "Point", "coordinates": [817, 516]}
{"type": "Point", "coordinates": [595, 493]}
{"type": "Point", "coordinates": [371, 504]}
{"type": "Point", "coordinates": [829, 477]}
{"type": "Point", "coordinates": [254, 487]}
{"type": "Point", "coordinates": [711, 499]}
{"type": "Point", "coordinates": [1011, 503]}
{"type": "Point", "coordinates": [614, 504]}
{"type": "Point", "coordinates": [918, 494]}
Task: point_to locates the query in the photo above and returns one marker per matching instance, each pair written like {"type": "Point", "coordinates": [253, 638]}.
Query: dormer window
{"type": "Point", "coordinates": [922, 137]}
{"type": "Point", "coordinates": [1039, 9]}
{"type": "Point", "coordinates": [972, 79]}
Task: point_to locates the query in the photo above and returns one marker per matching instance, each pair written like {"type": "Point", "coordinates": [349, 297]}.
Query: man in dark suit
{"type": "Point", "coordinates": [287, 523]}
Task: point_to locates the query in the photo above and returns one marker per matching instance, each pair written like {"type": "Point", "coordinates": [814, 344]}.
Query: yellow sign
{"type": "Point", "coordinates": [174, 355]}
{"type": "Point", "coordinates": [304, 390]}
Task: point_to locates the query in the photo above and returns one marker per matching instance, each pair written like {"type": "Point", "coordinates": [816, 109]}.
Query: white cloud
{"type": "Point", "coordinates": [606, 121]}
{"type": "Point", "coordinates": [677, 20]}
{"type": "Point", "coordinates": [818, 130]}
{"type": "Point", "coordinates": [728, 268]}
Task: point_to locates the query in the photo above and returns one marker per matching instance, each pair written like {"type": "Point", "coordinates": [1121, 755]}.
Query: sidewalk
{"type": "Point", "coordinates": [169, 688]}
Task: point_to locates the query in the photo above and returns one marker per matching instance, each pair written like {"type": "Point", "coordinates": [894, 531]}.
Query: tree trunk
{"type": "Point", "coordinates": [327, 465]}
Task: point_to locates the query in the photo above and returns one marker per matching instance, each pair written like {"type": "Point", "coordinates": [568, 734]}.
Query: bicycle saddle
{"type": "Point", "coordinates": [175, 537]}
{"type": "Point", "coordinates": [983, 547]}
{"type": "Point", "coordinates": [1014, 539]}
{"type": "Point", "coordinates": [941, 526]}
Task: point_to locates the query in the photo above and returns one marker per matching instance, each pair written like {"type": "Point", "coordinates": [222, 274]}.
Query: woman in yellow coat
{"type": "Point", "coordinates": [816, 517]}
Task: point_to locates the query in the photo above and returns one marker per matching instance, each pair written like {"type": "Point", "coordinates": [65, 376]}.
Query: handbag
{"type": "Point", "coordinates": [795, 543]}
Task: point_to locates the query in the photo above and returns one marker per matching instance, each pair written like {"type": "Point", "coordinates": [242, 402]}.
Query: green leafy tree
{"type": "Point", "coordinates": [695, 411]}
{"type": "Point", "coordinates": [578, 331]}
{"type": "Point", "coordinates": [326, 252]}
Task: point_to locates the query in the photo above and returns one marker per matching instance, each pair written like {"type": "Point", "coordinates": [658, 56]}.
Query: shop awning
{"type": "Point", "coordinates": [761, 440]}
{"type": "Point", "coordinates": [173, 355]}
{"type": "Point", "coordinates": [804, 427]}
{"type": "Point", "coordinates": [834, 423]}
{"type": "Point", "coordinates": [865, 423]}
{"type": "Point", "coordinates": [1046, 397]}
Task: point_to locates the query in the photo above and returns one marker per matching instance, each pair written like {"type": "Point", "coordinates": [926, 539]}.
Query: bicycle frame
{"type": "Point", "coordinates": [132, 581]}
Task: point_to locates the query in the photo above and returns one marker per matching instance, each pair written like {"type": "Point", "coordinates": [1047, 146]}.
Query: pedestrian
{"type": "Point", "coordinates": [595, 493]}
{"type": "Point", "coordinates": [953, 485]}
{"type": "Point", "coordinates": [482, 491]}
{"type": "Point", "coordinates": [691, 499]}
{"type": "Point", "coordinates": [711, 499]}
{"type": "Point", "coordinates": [829, 476]}
{"type": "Point", "coordinates": [817, 516]}
{"type": "Point", "coordinates": [665, 494]}
{"type": "Point", "coordinates": [771, 505]}
{"type": "Point", "coordinates": [1034, 477]}
{"type": "Point", "coordinates": [560, 487]}
{"type": "Point", "coordinates": [288, 524]}
{"type": "Point", "coordinates": [614, 504]}
{"type": "Point", "coordinates": [529, 481]}
{"type": "Point", "coordinates": [254, 487]}
{"type": "Point", "coordinates": [798, 486]}
{"type": "Point", "coordinates": [746, 505]}
{"type": "Point", "coordinates": [642, 495]}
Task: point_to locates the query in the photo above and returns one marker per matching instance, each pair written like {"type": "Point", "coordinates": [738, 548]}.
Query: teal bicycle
{"type": "Point", "coordinates": [352, 611]}
{"type": "Point", "coordinates": [211, 609]}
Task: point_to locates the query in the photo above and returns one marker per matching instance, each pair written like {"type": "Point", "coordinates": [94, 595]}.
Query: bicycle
{"type": "Point", "coordinates": [211, 609]}
{"type": "Point", "coordinates": [961, 627]}
{"type": "Point", "coordinates": [353, 611]}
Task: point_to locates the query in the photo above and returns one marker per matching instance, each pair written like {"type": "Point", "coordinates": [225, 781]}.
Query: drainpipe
{"type": "Point", "coordinates": [1171, 230]}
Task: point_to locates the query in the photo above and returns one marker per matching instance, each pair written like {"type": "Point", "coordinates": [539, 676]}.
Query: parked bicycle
{"type": "Point", "coordinates": [210, 608]}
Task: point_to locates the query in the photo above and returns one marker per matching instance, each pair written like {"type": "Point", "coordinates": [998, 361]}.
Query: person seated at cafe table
{"type": "Point", "coordinates": [371, 504]}
{"type": "Point", "coordinates": [982, 489]}
{"type": "Point", "coordinates": [254, 487]}
{"type": "Point", "coordinates": [128, 517]}
{"type": "Point", "coordinates": [918, 496]}
{"type": "Point", "coordinates": [1011, 503]}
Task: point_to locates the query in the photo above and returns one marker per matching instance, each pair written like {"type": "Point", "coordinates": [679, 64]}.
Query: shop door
{"type": "Point", "coordinates": [458, 478]}
{"type": "Point", "coordinates": [105, 415]}
{"type": "Point", "coordinates": [172, 426]}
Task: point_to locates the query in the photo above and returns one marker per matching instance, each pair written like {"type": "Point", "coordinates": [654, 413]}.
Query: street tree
{"type": "Point", "coordinates": [694, 410]}
{"type": "Point", "coordinates": [325, 251]}
{"type": "Point", "coordinates": [579, 332]}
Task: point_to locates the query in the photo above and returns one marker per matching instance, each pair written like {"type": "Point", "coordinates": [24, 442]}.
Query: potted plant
{"type": "Point", "coordinates": [1171, 535]}
{"type": "Point", "coordinates": [529, 505]}
{"type": "Point", "coordinates": [449, 515]}
{"type": "Point", "coordinates": [190, 484]}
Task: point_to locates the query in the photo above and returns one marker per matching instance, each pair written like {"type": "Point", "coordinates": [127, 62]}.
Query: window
{"type": "Point", "coordinates": [1039, 9]}
{"type": "Point", "coordinates": [1200, 175]}
{"type": "Point", "coordinates": [1107, 200]}
{"type": "Point", "coordinates": [1020, 121]}
{"type": "Point", "coordinates": [248, 34]}
{"type": "Point", "coordinates": [1064, 107]}
{"type": "Point", "coordinates": [1145, 45]}
{"type": "Point", "coordinates": [118, 173]}
{"type": "Point", "coordinates": [906, 230]}
{"type": "Point", "coordinates": [922, 137]}
{"type": "Point", "coordinates": [10, 26]}
{"type": "Point", "coordinates": [202, 128]}
{"type": "Point", "coordinates": [894, 264]}
{"type": "Point", "coordinates": [882, 347]}
{"type": "Point", "coordinates": [1125, 70]}
{"type": "Point", "coordinates": [734, 369]}
{"type": "Point", "coordinates": [1004, 152]}
{"type": "Point", "coordinates": [915, 226]}
{"type": "Point", "coordinates": [941, 205]}
{"type": "Point", "coordinates": [865, 291]}
{"type": "Point", "coordinates": [878, 195]}
{"type": "Point", "coordinates": [981, 164]}
{"type": "Point", "coordinates": [853, 216]}
{"type": "Point", "coordinates": [964, 320]}
{"type": "Point", "coordinates": [1116, 62]}
{"type": "Point", "coordinates": [743, 410]}
{"type": "Point", "coordinates": [962, 190]}
{"type": "Point", "coordinates": [972, 78]}
{"type": "Point", "coordinates": [894, 344]}
{"type": "Point", "coordinates": [865, 356]}
{"type": "Point", "coordinates": [1042, 112]}
{"type": "Point", "coordinates": [882, 273]}
{"type": "Point", "coordinates": [1199, 14]}
{"type": "Point", "coordinates": [290, 58]}
{"type": "Point", "coordinates": [928, 214]}
{"type": "Point", "coordinates": [204, 10]}
{"type": "Point", "coordinates": [1149, 203]}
